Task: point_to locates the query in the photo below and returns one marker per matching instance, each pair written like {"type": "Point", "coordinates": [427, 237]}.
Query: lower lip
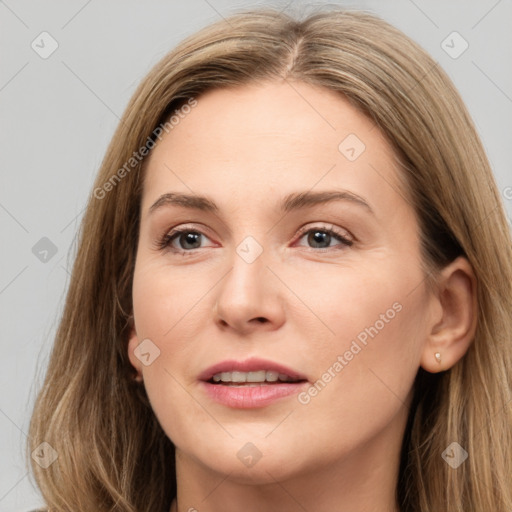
{"type": "Point", "coordinates": [251, 397]}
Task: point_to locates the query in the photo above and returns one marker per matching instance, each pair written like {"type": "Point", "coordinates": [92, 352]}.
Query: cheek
{"type": "Point", "coordinates": [167, 303]}
{"type": "Point", "coordinates": [376, 306]}
{"type": "Point", "coordinates": [367, 369]}
{"type": "Point", "coordinates": [165, 298]}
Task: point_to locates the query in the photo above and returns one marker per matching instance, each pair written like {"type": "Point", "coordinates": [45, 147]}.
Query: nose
{"type": "Point", "coordinates": [250, 297]}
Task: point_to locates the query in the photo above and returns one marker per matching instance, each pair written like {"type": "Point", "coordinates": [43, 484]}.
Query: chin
{"type": "Point", "coordinates": [251, 462]}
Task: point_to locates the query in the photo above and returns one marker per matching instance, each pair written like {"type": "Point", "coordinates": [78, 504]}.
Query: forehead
{"type": "Point", "coordinates": [247, 143]}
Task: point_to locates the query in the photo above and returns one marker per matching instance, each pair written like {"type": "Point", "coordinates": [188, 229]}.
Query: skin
{"type": "Point", "coordinates": [299, 304]}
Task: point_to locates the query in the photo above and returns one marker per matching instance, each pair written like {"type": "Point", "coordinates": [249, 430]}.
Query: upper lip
{"type": "Point", "coordinates": [249, 365]}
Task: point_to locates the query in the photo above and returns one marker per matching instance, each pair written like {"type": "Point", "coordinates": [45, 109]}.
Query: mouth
{"type": "Point", "coordinates": [251, 379]}
{"type": "Point", "coordinates": [251, 383]}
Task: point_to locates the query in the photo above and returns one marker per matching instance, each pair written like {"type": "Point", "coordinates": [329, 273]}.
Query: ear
{"type": "Point", "coordinates": [452, 331]}
{"type": "Point", "coordinates": [133, 341]}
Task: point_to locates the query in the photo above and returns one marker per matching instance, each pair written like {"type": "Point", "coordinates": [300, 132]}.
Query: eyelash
{"type": "Point", "coordinates": [165, 242]}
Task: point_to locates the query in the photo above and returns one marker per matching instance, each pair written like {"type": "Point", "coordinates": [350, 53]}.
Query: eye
{"type": "Point", "coordinates": [321, 237]}
{"type": "Point", "coordinates": [183, 240]}
{"type": "Point", "coordinates": [186, 240]}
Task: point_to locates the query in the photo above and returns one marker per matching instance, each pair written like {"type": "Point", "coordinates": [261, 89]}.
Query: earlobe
{"type": "Point", "coordinates": [451, 336]}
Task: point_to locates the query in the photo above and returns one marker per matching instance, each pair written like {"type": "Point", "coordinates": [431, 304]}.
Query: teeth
{"type": "Point", "coordinates": [259, 376]}
{"type": "Point", "coordinates": [240, 377]}
{"type": "Point", "coordinates": [252, 377]}
{"type": "Point", "coordinates": [272, 376]}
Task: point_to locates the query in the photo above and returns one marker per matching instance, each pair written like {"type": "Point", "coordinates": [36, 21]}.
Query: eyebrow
{"type": "Point", "coordinates": [291, 202]}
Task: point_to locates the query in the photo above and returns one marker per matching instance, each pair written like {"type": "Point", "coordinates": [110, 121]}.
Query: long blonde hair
{"type": "Point", "coordinates": [112, 452]}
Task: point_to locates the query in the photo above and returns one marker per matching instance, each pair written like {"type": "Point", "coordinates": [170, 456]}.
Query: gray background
{"type": "Point", "coordinates": [59, 113]}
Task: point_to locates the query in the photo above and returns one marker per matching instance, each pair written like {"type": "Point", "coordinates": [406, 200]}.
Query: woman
{"type": "Point", "coordinates": [257, 368]}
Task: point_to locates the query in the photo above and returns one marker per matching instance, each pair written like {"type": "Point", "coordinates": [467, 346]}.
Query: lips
{"type": "Point", "coordinates": [250, 384]}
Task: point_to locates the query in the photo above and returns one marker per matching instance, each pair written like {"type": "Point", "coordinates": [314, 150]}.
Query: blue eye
{"type": "Point", "coordinates": [189, 239]}
{"type": "Point", "coordinates": [319, 236]}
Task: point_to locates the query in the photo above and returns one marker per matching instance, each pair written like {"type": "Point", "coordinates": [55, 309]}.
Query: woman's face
{"type": "Point", "coordinates": [271, 280]}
